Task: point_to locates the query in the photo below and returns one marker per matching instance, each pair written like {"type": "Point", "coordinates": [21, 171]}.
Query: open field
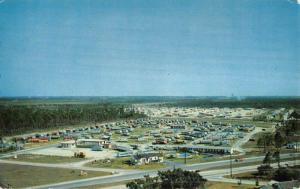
{"type": "Point", "coordinates": [252, 143]}
{"type": "Point", "coordinates": [222, 185]}
{"type": "Point", "coordinates": [34, 158]}
{"type": "Point", "coordinates": [19, 176]}
{"type": "Point", "coordinates": [119, 163]}
{"type": "Point", "coordinates": [247, 175]}
{"type": "Point", "coordinates": [196, 159]}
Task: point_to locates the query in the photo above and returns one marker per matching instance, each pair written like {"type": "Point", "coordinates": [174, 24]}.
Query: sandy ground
{"type": "Point", "coordinates": [55, 151]}
{"type": "Point", "coordinates": [116, 187]}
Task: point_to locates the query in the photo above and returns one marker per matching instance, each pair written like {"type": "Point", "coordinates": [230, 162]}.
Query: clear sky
{"type": "Point", "coordinates": [149, 47]}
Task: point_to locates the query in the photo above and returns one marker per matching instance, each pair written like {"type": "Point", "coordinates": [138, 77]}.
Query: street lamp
{"type": "Point", "coordinates": [185, 150]}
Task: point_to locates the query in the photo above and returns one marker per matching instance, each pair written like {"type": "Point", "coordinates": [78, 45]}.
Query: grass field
{"type": "Point", "coordinates": [119, 163]}
{"type": "Point", "coordinates": [252, 144]}
{"type": "Point", "coordinates": [195, 159]}
{"type": "Point", "coordinates": [45, 158]}
{"type": "Point", "coordinates": [222, 185]}
{"type": "Point", "coordinates": [20, 176]}
{"type": "Point", "coordinates": [247, 175]}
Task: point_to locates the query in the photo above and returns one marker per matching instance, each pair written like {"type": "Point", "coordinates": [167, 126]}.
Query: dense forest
{"type": "Point", "coordinates": [181, 101]}
{"type": "Point", "coordinates": [16, 119]}
{"type": "Point", "coordinates": [246, 102]}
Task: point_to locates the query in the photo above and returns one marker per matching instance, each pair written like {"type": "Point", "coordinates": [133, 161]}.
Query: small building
{"type": "Point", "coordinates": [89, 143]}
{"type": "Point", "coordinates": [146, 158]}
{"type": "Point", "coordinates": [294, 184]}
{"type": "Point", "coordinates": [293, 145]}
{"type": "Point", "coordinates": [39, 140]}
{"type": "Point", "coordinates": [177, 127]}
{"type": "Point", "coordinates": [122, 148]}
{"type": "Point", "coordinates": [247, 128]}
{"type": "Point", "coordinates": [124, 154]}
{"type": "Point", "coordinates": [161, 141]}
{"type": "Point", "coordinates": [68, 144]}
{"type": "Point", "coordinates": [106, 137]}
{"type": "Point", "coordinates": [4, 146]}
{"type": "Point", "coordinates": [207, 149]}
{"type": "Point", "coordinates": [107, 145]}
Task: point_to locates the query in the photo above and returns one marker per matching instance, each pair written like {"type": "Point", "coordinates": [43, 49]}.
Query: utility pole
{"type": "Point", "coordinates": [295, 156]}
{"type": "Point", "coordinates": [185, 155]}
{"type": "Point", "coordinates": [231, 152]}
{"type": "Point", "coordinates": [231, 163]}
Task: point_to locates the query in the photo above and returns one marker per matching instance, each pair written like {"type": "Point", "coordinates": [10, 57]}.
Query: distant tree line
{"type": "Point", "coordinates": [181, 101]}
{"type": "Point", "coordinates": [248, 102]}
{"type": "Point", "coordinates": [16, 119]}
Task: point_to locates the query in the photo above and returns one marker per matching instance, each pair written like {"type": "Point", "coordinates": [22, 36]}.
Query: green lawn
{"type": "Point", "coordinates": [253, 144]}
{"type": "Point", "coordinates": [20, 176]}
{"type": "Point", "coordinates": [222, 185]}
{"type": "Point", "coordinates": [120, 163]}
{"type": "Point", "coordinates": [247, 176]}
{"type": "Point", "coordinates": [45, 158]}
{"type": "Point", "coordinates": [196, 159]}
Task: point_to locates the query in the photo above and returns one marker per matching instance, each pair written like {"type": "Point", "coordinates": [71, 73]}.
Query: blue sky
{"type": "Point", "coordinates": [149, 47]}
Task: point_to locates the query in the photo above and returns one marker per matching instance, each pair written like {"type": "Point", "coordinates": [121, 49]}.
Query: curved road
{"type": "Point", "coordinates": [139, 174]}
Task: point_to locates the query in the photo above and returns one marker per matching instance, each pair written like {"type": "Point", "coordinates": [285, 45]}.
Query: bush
{"type": "Point", "coordinates": [265, 170]}
{"type": "Point", "coordinates": [286, 174]}
{"type": "Point", "coordinates": [176, 178]}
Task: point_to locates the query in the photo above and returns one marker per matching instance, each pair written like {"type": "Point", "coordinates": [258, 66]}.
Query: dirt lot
{"type": "Point", "coordinates": [54, 151]}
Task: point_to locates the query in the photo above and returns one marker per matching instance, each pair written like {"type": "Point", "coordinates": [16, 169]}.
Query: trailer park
{"type": "Point", "coordinates": [166, 137]}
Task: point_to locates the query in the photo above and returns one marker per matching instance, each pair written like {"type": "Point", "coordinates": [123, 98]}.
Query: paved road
{"type": "Point", "coordinates": [140, 174]}
{"type": "Point", "coordinates": [218, 175]}
{"type": "Point", "coordinates": [238, 145]}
